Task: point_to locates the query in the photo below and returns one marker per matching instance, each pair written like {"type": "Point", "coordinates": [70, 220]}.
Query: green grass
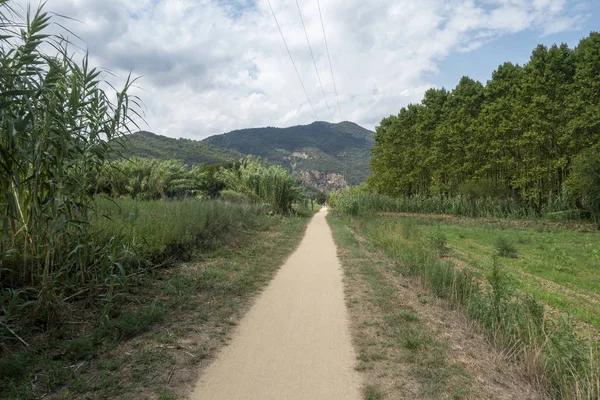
{"type": "Point", "coordinates": [371, 392]}
{"type": "Point", "coordinates": [172, 230]}
{"type": "Point", "coordinates": [503, 294]}
{"type": "Point", "coordinates": [360, 200]}
{"type": "Point", "coordinates": [559, 267]}
{"type": "Point", "coordinates": [397, 334]}
{"type": "Point", "coordinates": [134, 328]}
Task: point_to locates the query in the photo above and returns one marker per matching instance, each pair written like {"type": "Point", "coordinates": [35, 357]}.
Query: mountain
{"type": "Point", "coordinates": [324, 155]}
{"type": "Point", "coordinates": [192, 152]}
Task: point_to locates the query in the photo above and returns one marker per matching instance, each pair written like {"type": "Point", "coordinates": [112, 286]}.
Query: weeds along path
{"type": "Point", "coordinates": [294, 343]}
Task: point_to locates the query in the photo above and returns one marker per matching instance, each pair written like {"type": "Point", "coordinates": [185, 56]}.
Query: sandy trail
{"type": "Point", "coordinates": [294, 343]}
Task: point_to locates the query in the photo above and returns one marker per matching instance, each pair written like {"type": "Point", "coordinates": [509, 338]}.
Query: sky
{"type": "Point", "coordinates": [212, 66]}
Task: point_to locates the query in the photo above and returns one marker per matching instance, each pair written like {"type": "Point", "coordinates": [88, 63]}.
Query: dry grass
{"type": "Point", "coordinates": [384, 305]}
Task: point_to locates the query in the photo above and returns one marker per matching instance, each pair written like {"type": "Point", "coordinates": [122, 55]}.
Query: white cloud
{"type": "Point", "coordinates": [213, 66]}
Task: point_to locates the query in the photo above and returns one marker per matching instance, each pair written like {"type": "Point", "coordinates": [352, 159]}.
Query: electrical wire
{"type": "Point", "coordinates": [329, 58]}
{"type": "Point", "coordinates": [314, 62]}
{"type": "Point", "coordinates": [292, 59]}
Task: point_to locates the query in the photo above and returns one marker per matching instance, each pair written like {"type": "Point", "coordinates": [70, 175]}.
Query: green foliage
{"type": "Point", "coordinates": [130, 236]}
{"type": "Point", "coordinates": [191, 152]}
{"type": "Point", "coordinates": [56, 126]}
{"type": "Point", "coordinates": [483, 188]}
{"type": "Point", "coordinates": [163, 301]}
{"type": "Point", "coordinates": [585, 181]}
{"type": "Point", "coordinates": [514, 138]}
{"type": "Point", "coordinates": [151, 179]}
{"type": "Point", "coordinates": [360, 200]}
{"type": "Point", "coordinates": [160, 231]}
{"type": "Point", "coordinates": [249, 181]}
{"type": "Point", "coordinates": [371, 392]}
{"type": "Point", "coordinates": [439, 242]}
{"type": "Point", "coordinates": [232, 196]}
{"type": "Point", "coordinates": [258, 180]}
{"type": "Point", "coordinates": [505, 247]}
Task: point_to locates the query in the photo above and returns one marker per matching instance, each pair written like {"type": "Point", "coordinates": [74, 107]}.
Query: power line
{"type": "Point", "coordinates": [329, 58]}
{"type": "Point", "coordinates": [291, 58]}
{"type": "Point", "coordinates": [314, 62]}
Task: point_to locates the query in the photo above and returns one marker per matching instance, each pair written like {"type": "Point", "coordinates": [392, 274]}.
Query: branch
{"type": "Point", "coordinates": [15, 335]}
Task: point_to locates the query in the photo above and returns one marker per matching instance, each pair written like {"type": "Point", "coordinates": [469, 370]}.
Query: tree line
{"type": "Point", "coordinates": [530, 133]}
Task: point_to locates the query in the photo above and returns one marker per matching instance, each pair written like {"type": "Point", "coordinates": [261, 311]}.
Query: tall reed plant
{"type": "Point", "coordinates": [356, 201]}
{"type": "Point", "coordinates": [56, 124]}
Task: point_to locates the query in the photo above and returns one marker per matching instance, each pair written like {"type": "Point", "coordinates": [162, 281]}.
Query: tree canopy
{"type": "Point", "coordinates": [516, 136]}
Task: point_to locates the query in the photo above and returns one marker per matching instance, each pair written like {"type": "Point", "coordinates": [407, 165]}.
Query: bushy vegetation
{"type": "Point", "coordinates": [361, 199]}
{"type": "Point", "coordinates": [249, 180]}
{"type": "Point", "coordinates": [58, 238]}
{"type": "Point", "coordinates": [233, 251]}
{"type": "Point", "coordinates": [505, 247]}
{"type": "Point", "coordinates": [550, 352]}
{"type": "Point", "coordinates": [585, 181]}
{"type": "Point", "coordinates": [258, 180]}
{"type": "Point", "coordinates": [514, 139]}
{"type": "Point", "coordinates": [153, 232]}
{"type": "Point", "coordinates": [56, 125]}
{"type": "Point", "coordinates": [152, 179]}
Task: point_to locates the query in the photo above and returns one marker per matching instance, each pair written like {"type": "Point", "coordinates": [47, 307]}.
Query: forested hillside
{"type": "Point", "coordinates": [322, 155]}
{"type": "Point", "coordinates": [532, 131]}
{"type": "Point", "coordinates": [326, 155]}
{"type": "Point", "coordinates": [192, 152]}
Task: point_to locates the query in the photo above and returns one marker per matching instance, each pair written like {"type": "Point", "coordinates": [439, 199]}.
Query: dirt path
{"type": "Point", "coordinates": [294, 343]}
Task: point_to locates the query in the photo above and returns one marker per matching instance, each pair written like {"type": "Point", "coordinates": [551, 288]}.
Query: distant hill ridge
{"type": "Point", "coordinates": [193, 152]}
{"type": "Point", "coordinates": [324, 155]}
{"type": "Point", "coordinates": [339, 152]}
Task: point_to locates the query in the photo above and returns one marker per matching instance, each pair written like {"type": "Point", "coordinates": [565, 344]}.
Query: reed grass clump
{"type": "Point", "coordinates": [129, 237]}
{"type": "Point", "coordinates": [361, 200]}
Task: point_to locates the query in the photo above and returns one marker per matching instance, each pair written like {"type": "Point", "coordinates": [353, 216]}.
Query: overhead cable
{"type": "Point", "coordinates": [314, 62]}
{"type": "Point", "coordinates": [329, 58]}
{"type": "Point", "coordinates": [292, 59]}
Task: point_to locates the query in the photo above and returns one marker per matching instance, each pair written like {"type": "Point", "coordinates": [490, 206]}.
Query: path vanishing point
{"type": "Point", "coordinates": [294, 343]}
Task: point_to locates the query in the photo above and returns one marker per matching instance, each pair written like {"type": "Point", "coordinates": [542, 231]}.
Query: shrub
{"type": "Point", "coordinates": [439, 242]}
{"type": "Point", "coordinates": [505, 247]}
{"type": "Point", "coordinates": [355, 201]}
{"type": "Point", "coordinates": [272, 184]}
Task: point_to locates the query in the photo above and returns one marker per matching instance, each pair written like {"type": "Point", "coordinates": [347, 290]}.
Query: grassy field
{"type": "Point", "coordinates": [410, 344]}
{"type": "Point", "coordinates": [501, 275]}
{"type": "Point", "coordinates": [558, 266]}
{"type": "Point", "coordinates": [381, 320]}
{"type": "Point", "coordinates": [182, 275]}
